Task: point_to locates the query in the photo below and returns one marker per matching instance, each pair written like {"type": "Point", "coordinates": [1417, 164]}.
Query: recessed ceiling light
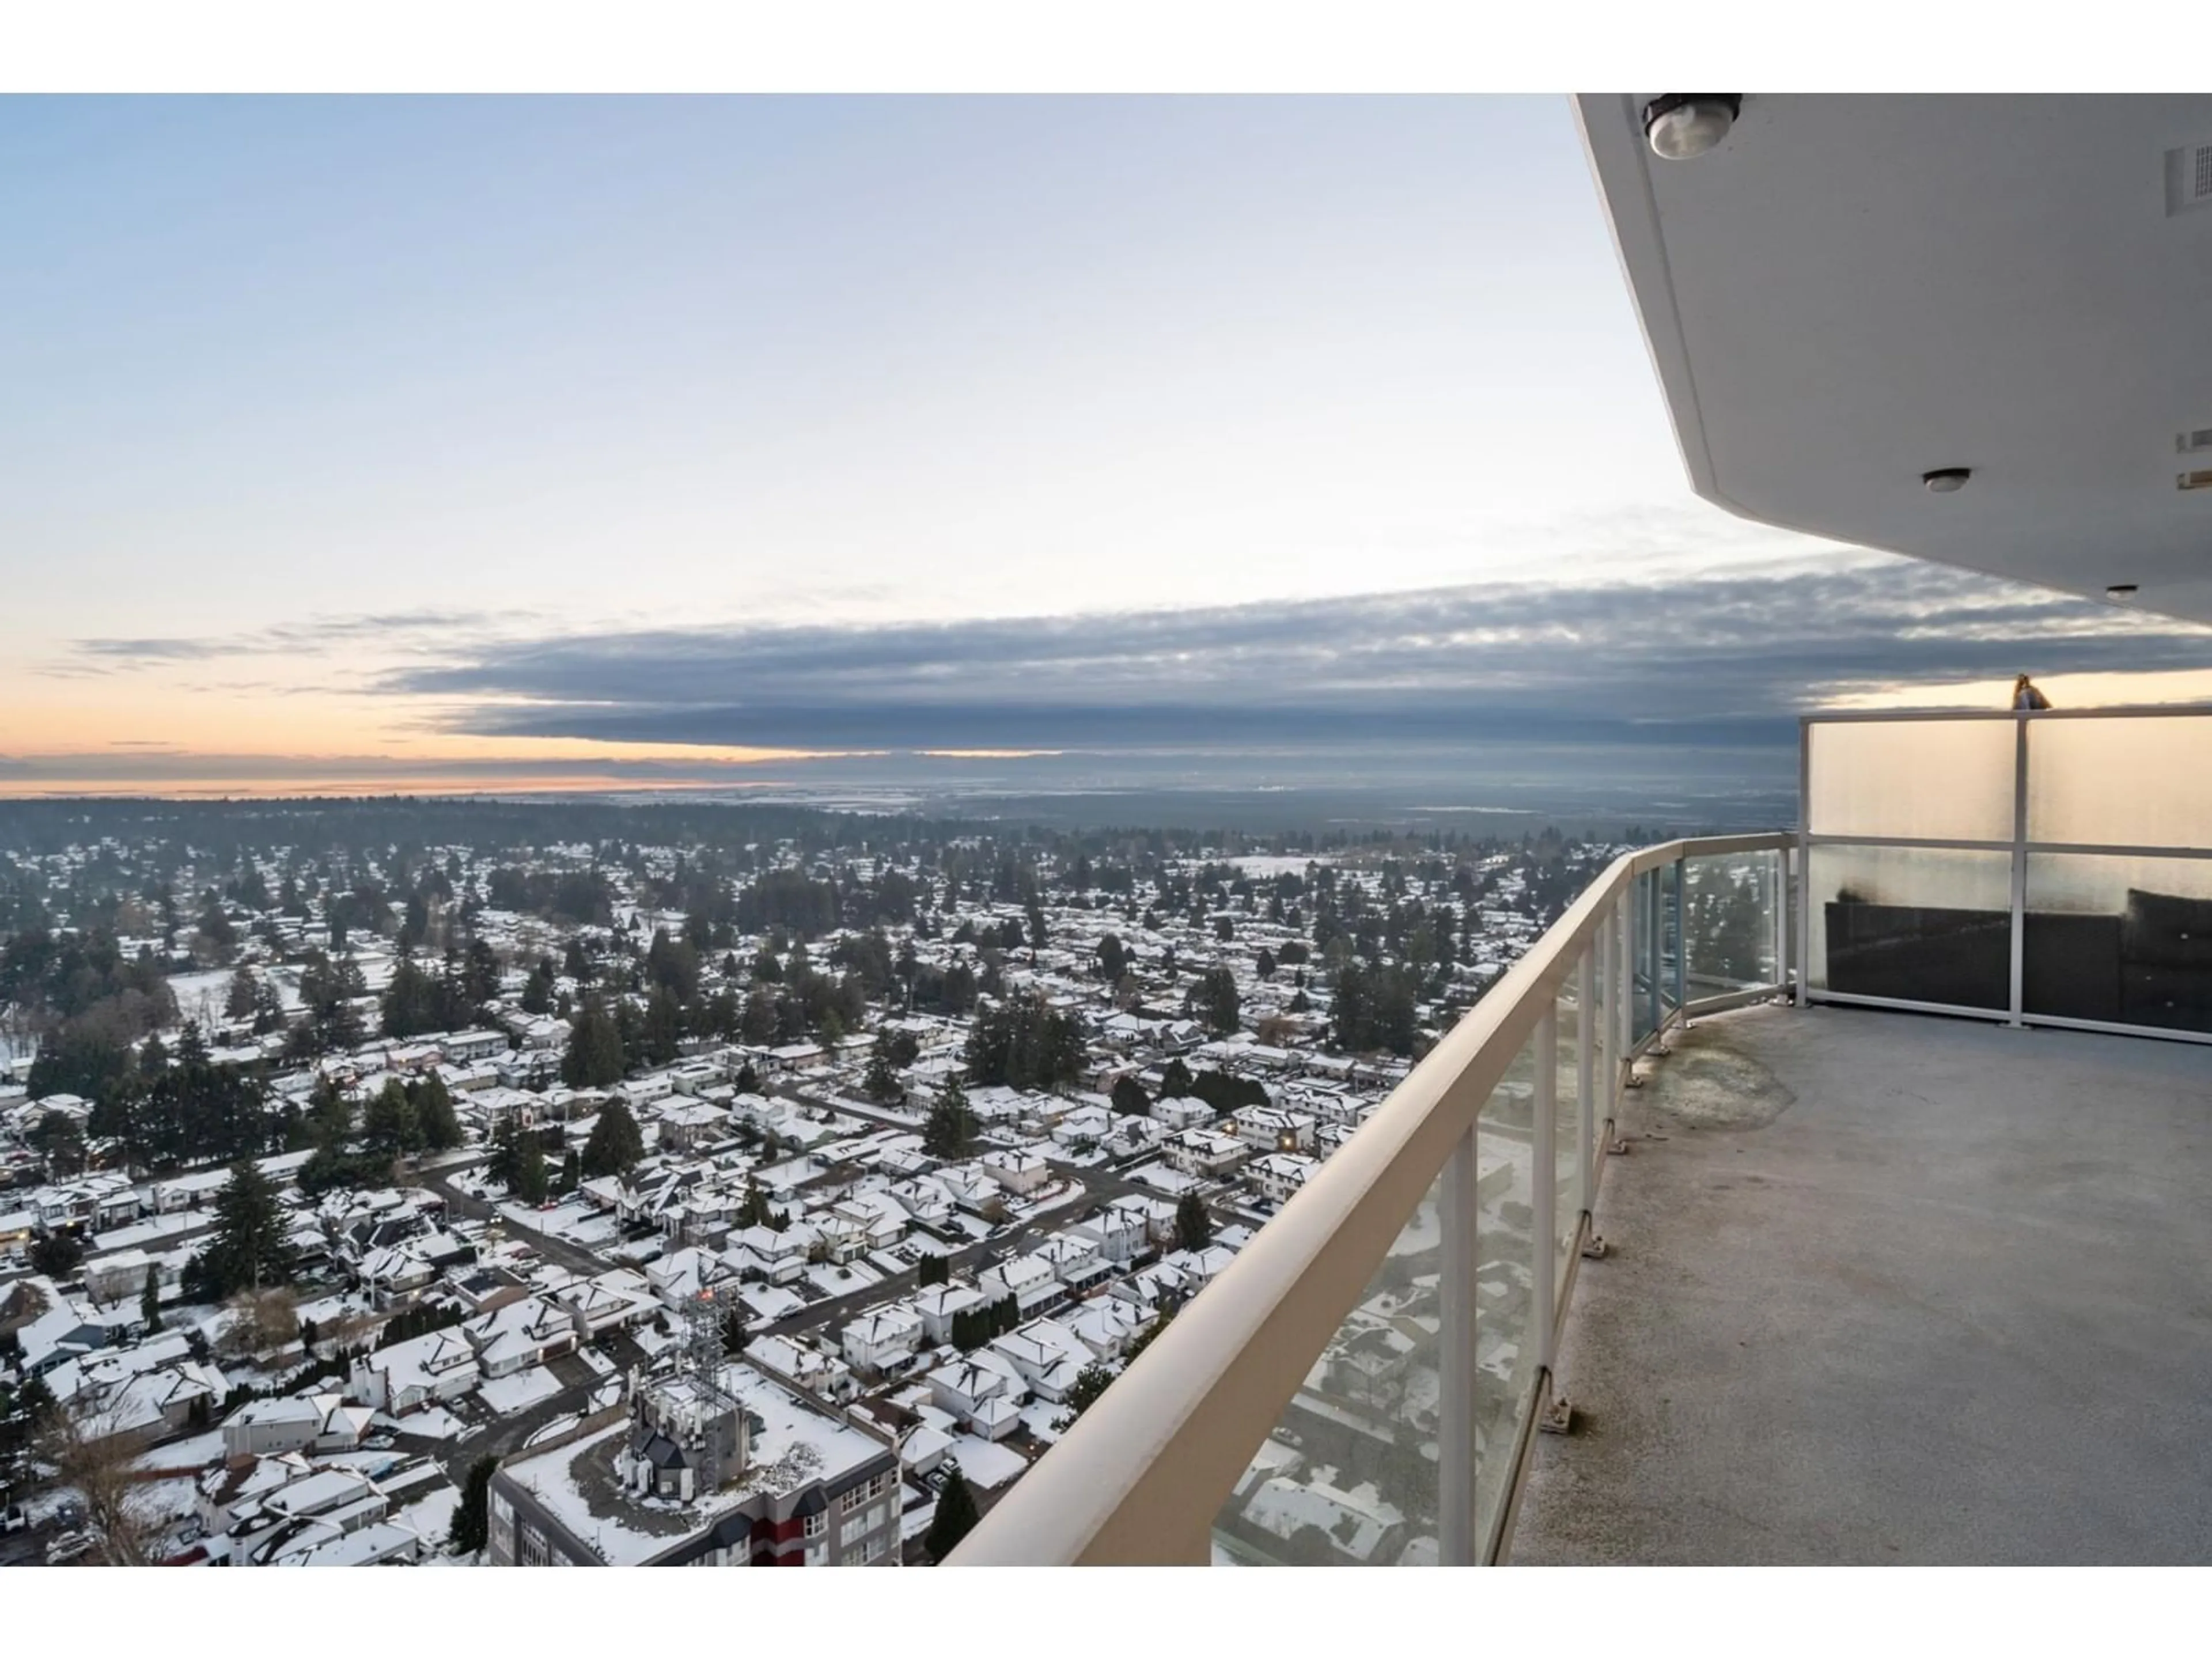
{"type": "Point", "coordinates": [1945, 480]}
{"type": "Point", "coordinates": [1684, 124]}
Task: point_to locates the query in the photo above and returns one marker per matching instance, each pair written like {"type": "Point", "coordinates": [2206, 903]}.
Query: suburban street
{"type": "Point", "coordinates": [506, 1435]}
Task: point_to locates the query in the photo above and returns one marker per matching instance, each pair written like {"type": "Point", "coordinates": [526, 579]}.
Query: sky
{"type": "Point", "coordinates": [411, 442]}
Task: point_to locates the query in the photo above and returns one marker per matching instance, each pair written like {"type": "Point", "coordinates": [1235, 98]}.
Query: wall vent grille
{"type": "Point", "coordinates": [2189, 177]}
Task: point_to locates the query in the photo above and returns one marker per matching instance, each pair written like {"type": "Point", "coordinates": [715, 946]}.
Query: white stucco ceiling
{"type": "Point", "coordinates": [1852, 291]}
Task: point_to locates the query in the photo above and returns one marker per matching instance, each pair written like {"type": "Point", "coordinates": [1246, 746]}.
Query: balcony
{"type": "Point", "coordinates": [1892, 1287]}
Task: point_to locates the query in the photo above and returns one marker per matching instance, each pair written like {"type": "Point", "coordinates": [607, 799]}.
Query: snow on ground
{"type": "Point", "coordinates": [202, 996]}
{"type": "Point", "coordinates": [151, 1231]}
{"type": "Point", "coordinates": [600, 1364]}
{"type": "Point", "coordinates": [325, 1310]}
{"type": "Point", "coordinates": [1057, 1197]}
{"type": "Point", "coordinates": [1039, 1416]}
{"type": "Point", "coordinates": [440, 1160]}
{"type": "Point", "coordinates": [508, 1395]}
{"type": "Point", "coordinates": [162, 1501]}
{"type": "Point", "coordinates": [984, 1463]}
{"type": "Point", "coordinates": [1272, 864]}
{"type": "Point", "coordinates": [195, 1452]}
{"type": "Point", "coordinates": [431, 1517]}
{"type": "Point", "coordinates": [833, 1280]}
{"type": "Point", "coordinates": [576, 1221]}
{"type": "Point", "coordinates": [915, 1522]}
{"type": "Point", "coordinates": [604, 1395]}
{"type": "Point", "coordinates": [769, 1302]}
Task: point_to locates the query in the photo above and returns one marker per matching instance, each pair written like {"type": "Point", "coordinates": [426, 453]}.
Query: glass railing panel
{"type": "Point", "coordinates": [1927, 925]}
{"type": "Point", "coordinates": [2120, 781]}
{"type": "Point", "coordinates": [1566, 1120]}
{"type": "Point", "coordinates": [1920, 780]}
{"type": "Point", "coordinates": [1505, 1333]}
{"type": "Point", "coordinates": [1731, 903]}
{"type": "Point", "coordinates": [1643, 913]}
{"type": "Point", "coordinates": [1349, 1476]}
{"type": "Point", "coordinates": [2123, 940]}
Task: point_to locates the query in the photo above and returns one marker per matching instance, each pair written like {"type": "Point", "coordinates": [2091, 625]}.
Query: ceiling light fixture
{"type": "Point", "coordinates": [1947, 480]}
{"type": "Point", "coordinates": [1681, 126]}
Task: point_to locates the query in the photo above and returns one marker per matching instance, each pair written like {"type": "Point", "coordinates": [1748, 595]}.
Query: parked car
{"type": "Point", "coordinates": [12, 1519]}
{"type": "Point", "coordinates": [68, 1546]}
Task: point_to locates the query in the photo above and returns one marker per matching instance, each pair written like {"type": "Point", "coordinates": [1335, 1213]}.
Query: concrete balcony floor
{"type": "Point", "coordinates": [1893, 1288]}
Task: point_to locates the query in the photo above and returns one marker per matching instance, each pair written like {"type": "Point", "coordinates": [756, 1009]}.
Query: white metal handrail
{"type": "Point", "coordinates": [1141, 1477]}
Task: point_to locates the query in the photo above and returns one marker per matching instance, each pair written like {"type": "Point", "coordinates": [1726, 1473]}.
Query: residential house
{"type": "Point", "coordinates": [1029, 1279]}
{"type": "Point", "coordinates": [937, 1304]}
{"type": "Point", "coordinates": [882, 1342]}
{"type": "Point", "coordinates": [520, 1334]}
{"type": "Point", "coordinates": [1279, 1174]}
{"type": "Point", "coordinates": [404, 1377]}
{"type": "Point", "coordinates": [1207, 1154]}
{"type": "Point", "coordinates": [1019, 1171]}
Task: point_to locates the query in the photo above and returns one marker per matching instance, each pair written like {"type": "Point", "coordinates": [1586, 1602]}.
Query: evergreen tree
{"type": "Point", "coordinates": [538, 991]}
{"type": "Point", "coordinates": [663, 1027]}
{"type": "Point", "coordinates": [950, 1124]}
{"type": "Point", "coordinates": [1129, 1098]}
{"type": "Point", "coordinates": [436, 1122]}
{"type": "Point", "coordinates": [1193, 1225]}
{"type": "Point", "coordinates": [388, 1128]}
{"type": "Point", "coordinates": [881, 1080]}
{"type": "Point", "coordinates": [240, 1002]}
{"type": "Point", "coordinates": [1090, 1382]}
{"type": "Point", "coordinates": [1026, 1043]}
{"type": "Point", "coordinates": [1213, 999]}
{"type": "Point", "coordinates": [412, 1003]}
{"type": "Point", "coordinates": [57, 1256]}
{"type": "Point", "coordinates": [506, 1149]}
{"type": "Point", "coordinates": [531, 1184]}
{"type": "Point", "coordinates": [594, 1057]}
{"type": "Point", "coordinates": [149, 1300]}
{"type": "Point", "coordinates": [330, 1116]}
{"type": "Point", "coordinates": [955, 1519]}
{"type": "Point", "coordinates": [479, 980]}
{"type": "Point", "coordinates": [615, 1143]}
{"type": "Point", "coordinates": [247, 1251]}
{"type": "Point", "coordinates": [471, 1528]}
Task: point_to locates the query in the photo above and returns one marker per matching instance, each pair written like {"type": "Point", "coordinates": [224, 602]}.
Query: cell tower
{"type": "Point", "coordinates": [703, 1361]}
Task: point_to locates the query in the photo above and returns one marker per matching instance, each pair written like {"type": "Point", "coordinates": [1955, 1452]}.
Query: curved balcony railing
{"type": "Point", "coordinates": [1361, 1384]}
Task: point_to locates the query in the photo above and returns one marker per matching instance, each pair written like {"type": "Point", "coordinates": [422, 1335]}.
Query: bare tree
{"type": "Point", "coordinates": [349, 1331]}
{"type": "Point", "coordinates": [259, 1320]}
{"type": "Point", "coordinates": [81, 1443]}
